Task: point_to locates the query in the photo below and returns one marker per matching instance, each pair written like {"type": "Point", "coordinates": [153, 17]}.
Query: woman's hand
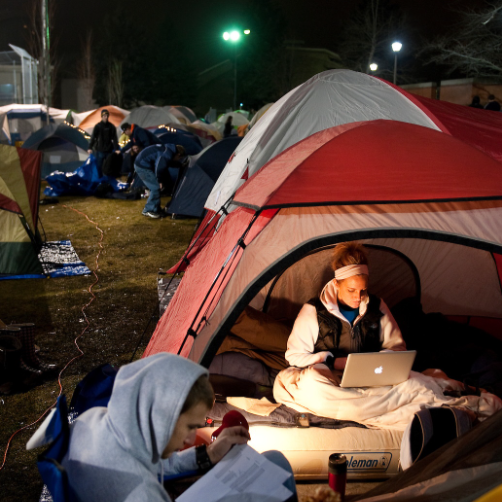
{"type": "Point", "coordinates": [228, 437]}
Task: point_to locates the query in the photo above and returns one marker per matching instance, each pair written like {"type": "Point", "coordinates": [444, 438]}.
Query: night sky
{"type": "Point", "coordinates": [199, 23]}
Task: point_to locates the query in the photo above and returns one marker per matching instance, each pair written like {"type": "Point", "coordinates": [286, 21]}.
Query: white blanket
{"type": "Point", "coordinates": [315, 390]}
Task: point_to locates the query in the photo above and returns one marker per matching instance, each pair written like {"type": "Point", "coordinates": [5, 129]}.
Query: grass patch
{"type": "Point", "coordinates": [135, 248]}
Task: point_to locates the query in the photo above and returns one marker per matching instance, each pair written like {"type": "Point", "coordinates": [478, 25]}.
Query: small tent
{"type": "Point", "coordinates": [64, 147]}
{"type": "Point", "coordinates": [200, 177]}
{"type": "Point", "coordinates": [238, 119]}
{"type": "Point", "coordinates": [151, 116]}
{"type": "Point", "coordinates": [189, 141]}
{"type": "Point", "coordinates": [19, 192]}
{"type": "Point", "coordinates": [17, 122]}
{"type": "Point", "coordinates": [90, 119]}
{"type": "Point", "coordinates": [183, 114]}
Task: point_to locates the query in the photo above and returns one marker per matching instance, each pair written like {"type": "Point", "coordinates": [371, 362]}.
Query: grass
{"type": "Point", "coordinates": [135, 248]}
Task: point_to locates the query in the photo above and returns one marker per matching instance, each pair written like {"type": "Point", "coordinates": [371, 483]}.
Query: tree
{"type": "Point", "coordinates": [474, 46]}
{"type": "Point", "coordinates": [34, 44]}
{"type": "Point", "coordinates": [369, 33]}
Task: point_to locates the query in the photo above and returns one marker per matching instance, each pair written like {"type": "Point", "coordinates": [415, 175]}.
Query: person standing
{"type": "Point", "coordinates": [152, 166]}
{"type": "Point", "coordinates": [103, 140]}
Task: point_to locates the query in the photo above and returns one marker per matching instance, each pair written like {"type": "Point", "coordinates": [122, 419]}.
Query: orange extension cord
{"type": "Point", "coordinates": [93, 297]}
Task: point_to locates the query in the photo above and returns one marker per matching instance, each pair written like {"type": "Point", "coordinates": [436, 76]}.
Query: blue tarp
{"type": "Point", "coordinates": [83, 181]}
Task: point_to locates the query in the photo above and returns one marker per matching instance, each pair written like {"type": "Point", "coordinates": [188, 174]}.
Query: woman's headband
{"type": "Point", "coordinates": [350, 270]}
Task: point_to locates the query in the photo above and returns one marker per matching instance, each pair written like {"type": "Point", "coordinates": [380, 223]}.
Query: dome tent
{"type": "Point", "coordinates": [425, 213]}
{"type": "Point", "coordinates": [430, 195]}
{"type": "Point", "coordinates": [64, 148]}
{"type": "Point", "coordinates": [337, 97]}
{"type": "Point", "coordinates": [200, 177]}
{"type": "Point", "coordinates": [151, 116]}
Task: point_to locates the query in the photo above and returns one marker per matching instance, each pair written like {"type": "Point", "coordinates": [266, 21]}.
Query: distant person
{"type": "Point", "coordinates": [103, 140]}
{"type": "Point", "coordinates": [476, 103]}
{"type": "Point", "coordinates": [138, 136]}
{"type": "Point", "coordinates": [152, 166]}
{"type": "Point", "coordinates": [492, 104]}
{"type": "Point", "coordinates": [227, 131]}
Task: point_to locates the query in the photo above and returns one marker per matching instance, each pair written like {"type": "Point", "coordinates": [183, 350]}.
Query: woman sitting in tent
{"type": "Point", "coordinates": [344, 319]}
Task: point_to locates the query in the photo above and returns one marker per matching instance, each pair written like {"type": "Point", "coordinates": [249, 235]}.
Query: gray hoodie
{"type": "Point", "coordinates": [115, 452]}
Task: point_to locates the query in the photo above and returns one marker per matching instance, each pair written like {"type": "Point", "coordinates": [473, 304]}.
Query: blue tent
{"type": "Point", "coordinates": [190, 141]}
{"type": "Point", "coordinates": [197, 181]}
{"type": "Point", "coordinates": [64, 148]}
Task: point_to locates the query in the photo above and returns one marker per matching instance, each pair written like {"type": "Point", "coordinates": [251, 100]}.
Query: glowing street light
{"type": "Point", "coordinates": [234, 36]}
{"type": "Point", "coordinates": [396, 47]}
{"type": "Point", "coordinates": [373, 67]}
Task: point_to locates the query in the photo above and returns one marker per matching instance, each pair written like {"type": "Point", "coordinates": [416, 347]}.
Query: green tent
{"type": "Point", "coordinates": [19, 193]}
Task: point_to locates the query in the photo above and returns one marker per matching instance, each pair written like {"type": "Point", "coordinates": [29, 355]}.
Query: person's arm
{"type": "Point", "coordinates": [186, 460]}
{"type": "Point", "coordinates": [126, 146]}
{"type": "Point", "coordinates": [92, 141]}
{"type": "Point", "coordinates": [390, 334]}
{"type": "Point", "coordinates": [302, 340]}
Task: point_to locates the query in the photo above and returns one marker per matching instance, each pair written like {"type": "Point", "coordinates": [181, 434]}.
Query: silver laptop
{"type": "Point", "coordinates": [376, 369]}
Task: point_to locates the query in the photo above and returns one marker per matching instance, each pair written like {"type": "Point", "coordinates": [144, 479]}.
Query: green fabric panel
{"type": "Point", "coordinates": [19, 258]}
{"type": "Point", "coordinates": [12, 175]}
{"type": "Point", "coordinates": [11, 228]}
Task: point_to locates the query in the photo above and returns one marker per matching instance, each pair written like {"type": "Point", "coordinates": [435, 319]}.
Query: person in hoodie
{"type": "Point", "coordinates": [137, 136]}
{"type": "Point", "coordinates": [344, 319]}
{"type": "Point", "coordinates": [120, 453]}
{"type": "Point", "coordinates": [152, 166]}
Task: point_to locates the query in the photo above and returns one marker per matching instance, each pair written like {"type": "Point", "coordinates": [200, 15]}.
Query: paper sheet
{"type": "Point", "coordinates": [242, 475]}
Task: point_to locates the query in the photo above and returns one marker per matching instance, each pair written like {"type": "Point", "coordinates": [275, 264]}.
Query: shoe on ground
{"type": "Point", "coordinates": [151, 214]}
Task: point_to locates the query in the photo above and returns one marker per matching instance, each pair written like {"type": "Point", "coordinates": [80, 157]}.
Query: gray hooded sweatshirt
{"type": "Point", "coordinates": [115, 452]}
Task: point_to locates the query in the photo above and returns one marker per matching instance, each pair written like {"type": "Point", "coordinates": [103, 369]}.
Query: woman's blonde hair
{"type": "Point", "coordinates": [348, 253]}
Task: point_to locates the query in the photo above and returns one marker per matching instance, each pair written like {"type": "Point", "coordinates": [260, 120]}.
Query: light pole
{"type": "Point", "coordinates": [396, 47]}
{"type": "Point", "coordinates": [373, 67]}
{"type": "Point", "coordinates": [234, 36]}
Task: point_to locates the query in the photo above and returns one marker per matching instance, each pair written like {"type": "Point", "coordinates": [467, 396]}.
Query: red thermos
{"type": "Point", "coordinates": [337, 473]}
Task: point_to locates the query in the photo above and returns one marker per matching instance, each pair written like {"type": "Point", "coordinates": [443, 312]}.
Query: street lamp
{"type": "Point", "coordinates": [373, 67]}
{"type": "Point", "coordinates": [396, 47]}
{"type": "Point", "coordinates": [234, 36]}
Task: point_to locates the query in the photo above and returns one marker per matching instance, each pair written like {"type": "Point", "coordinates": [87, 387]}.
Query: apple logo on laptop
{"type": "Point", "coordinates": [379, 370]}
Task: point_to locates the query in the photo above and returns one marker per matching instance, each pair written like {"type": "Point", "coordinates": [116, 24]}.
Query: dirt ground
{"type": "Point", "coordinates": [134, 248]}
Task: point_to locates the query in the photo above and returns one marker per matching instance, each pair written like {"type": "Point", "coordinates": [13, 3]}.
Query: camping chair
{"type": "Point", "coordinates": [94, 390]}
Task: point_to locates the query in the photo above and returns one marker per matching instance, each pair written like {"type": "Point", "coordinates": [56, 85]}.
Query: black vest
{"type": "Point", "coordinates": [366, 333]}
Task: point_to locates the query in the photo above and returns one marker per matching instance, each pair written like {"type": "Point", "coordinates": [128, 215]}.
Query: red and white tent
{"type": "Point", "coordinates": [333, 98]}
{"type": "Point", "coordinates": [428, 204]}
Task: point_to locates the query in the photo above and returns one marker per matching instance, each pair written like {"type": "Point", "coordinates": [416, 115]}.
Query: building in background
{"type": "Point", "coordinates": [458, 91]}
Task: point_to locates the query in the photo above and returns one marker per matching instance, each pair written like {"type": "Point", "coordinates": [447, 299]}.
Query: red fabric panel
{"type": "Point", "coordinates": [200, 239]}
{"type": "Point", "coordinates": [488, 324]}
{"type": "Point", "coordinates": [379, 160]}
{"type": "Point", "coordinates": [31, 164]}
{"type": "Point", "coordinates": [9, 205]}
{"type": "Point", "coordinates": [182, 310]}
{"type": "Point", "coordinates": [479, 128]}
